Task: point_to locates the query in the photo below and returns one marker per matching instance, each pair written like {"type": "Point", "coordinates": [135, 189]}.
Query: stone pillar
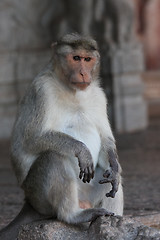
{"type": "Point", "coordinates": [24, 50]}
{"type": "Point", "coordinates": [27, 29]}
{"type": "Point", "coordinates": [122, 65]}
{"type": "Point", "coordinates": [130, 109]}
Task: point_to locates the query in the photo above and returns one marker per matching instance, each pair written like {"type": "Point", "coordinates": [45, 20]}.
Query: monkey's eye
{"type": "Point", "coordinates": [76, 58]}
{"type": "Point", "coordinates": [88, 59]}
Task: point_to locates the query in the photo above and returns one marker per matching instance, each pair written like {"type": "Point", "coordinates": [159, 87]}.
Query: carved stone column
{"type": "Point", "coordinates": [27, 31]}
{"type": "Point", "coordinates": [24, 50]}
{"type": "Point", "coordinates": [122, 65]}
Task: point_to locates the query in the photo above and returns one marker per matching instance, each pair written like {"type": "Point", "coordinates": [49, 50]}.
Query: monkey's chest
{"type": "Point", "coordinates": [86, 132]}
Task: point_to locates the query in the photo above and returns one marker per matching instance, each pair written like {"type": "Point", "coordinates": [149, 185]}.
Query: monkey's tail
{"type": "Point", "coordinates": [26, 215]}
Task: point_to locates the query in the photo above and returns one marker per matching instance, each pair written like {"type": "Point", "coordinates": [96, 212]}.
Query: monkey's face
{"type": "Point", "coordinates": [81, 68]}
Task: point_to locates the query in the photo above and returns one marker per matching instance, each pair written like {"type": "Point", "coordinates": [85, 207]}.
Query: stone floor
{"type": "Point", "coordinates": [140, 158]}
{"type": "Point", "coordinates": [139, 155]}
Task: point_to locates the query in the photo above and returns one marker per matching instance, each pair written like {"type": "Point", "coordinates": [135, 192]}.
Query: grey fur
{"type": "Point", "coordinates": [45, 161]}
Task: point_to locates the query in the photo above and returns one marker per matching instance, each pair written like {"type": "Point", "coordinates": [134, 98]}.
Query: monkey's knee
{"type": "Point", "coordinates": [37, 184]}
{"type": "Point", "coordinates": [38, 200]}
{"type": "Point", "coordinates": [63, 198]}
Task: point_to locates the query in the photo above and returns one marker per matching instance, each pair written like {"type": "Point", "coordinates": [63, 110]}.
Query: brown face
{"type": "Point", "coordinates": [80, 66]}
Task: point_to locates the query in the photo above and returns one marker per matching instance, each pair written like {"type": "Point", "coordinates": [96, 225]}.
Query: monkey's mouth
{"type": "Point", "coordinates": [81, 85]}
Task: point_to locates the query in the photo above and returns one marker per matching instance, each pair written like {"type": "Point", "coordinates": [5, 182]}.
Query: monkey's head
{"type": "Point", "coordinates": [76, 60]}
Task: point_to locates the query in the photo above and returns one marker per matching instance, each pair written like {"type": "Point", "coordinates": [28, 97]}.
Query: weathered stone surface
{"type": "Point", "coordinates": [110, 228]}
{"type": "Point", "coordinates": [135, 112]}
{"type": "Point", "coordinates": [22, 24]}
{"type": "Point", "coordinates": [24, 42]}
{"type": "Point", "coordinates": [118, 16]}
{"type": "Point", "coordinates": [127, 60]}
{"type": "Point", "coordinates": [7, 66]}
{"type": "Point", "coordinates": [27, 29]}
{"type": "Point", "coordinates": [29, 64]}
{"type": "Point", "coordinates": [7, 94]}
{"type": "Point", "coordinates": [122, 64]}
{"type": "Point", "coordinates": [52, 230]}
{"type": "Point", "coordinates": [151, 220]}
{"type": "Point", "coordinates": [6, 125]}
{"type": "Point", "coordinates": [129, 84]}
{"type": "Point", "coordinates": [129, 106]}
{"type": "Point", "coordinates": [131, 113]}
{"type": "Point", "coordinates": [7, 119]}
{"type": "Point", "coordinates": [17, 70]}
{"type": "Point", "coordinates": [21, 89]}
{"type": "Point", "coordinates": [117, 228]}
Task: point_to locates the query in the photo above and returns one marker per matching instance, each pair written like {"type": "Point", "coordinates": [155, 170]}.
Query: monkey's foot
{"type": "Point", "coordinates": [99, 212]}
{"type": "Point", "coordinates": [113, 178]}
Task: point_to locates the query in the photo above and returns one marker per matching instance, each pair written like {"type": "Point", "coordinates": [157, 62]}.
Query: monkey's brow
{"type": "Point", "coordinates": [77, 44]}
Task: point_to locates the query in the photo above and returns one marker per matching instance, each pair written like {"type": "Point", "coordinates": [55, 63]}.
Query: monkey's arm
{"type": "Point", "coordinates": [108, 158]}
{"type": "Point", "coordinates": [30, 139]}
{"type": "Point", "coordinates": [113, 173]}
{"type": "Point", "coordinates": [65, 145]}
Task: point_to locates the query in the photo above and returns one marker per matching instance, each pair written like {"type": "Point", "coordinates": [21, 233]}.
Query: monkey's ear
{"type": "Point", "coordinates": [53, 44]}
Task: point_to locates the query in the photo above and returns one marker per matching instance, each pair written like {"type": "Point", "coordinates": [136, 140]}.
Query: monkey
{"type": "Point", "coordinates": [63, 149]}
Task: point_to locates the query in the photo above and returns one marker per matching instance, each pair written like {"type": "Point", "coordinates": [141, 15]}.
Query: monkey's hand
{"type": "Point", "coordinates": [112, 175]}
{"type": "Point", "coordinates": [85, 164]}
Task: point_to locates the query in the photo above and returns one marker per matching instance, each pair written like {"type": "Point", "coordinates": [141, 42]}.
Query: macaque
{"type": "Point", "coordinates": [63, 150]}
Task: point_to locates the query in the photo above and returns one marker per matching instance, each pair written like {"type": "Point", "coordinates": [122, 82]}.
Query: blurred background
{"type": "Point", "coordinates": [128, 34]}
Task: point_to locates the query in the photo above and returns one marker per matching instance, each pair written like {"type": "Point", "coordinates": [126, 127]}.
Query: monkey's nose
{"type": "Point", "coordinates": [82, 76]}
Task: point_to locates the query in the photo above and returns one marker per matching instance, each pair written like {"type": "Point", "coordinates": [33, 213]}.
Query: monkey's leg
{"type": "Point", "coordinates": [26, 215]}
{"type": "Point", "coordinates": [51, 188]}
{"type": "Point", "coordinates": [98, 195]}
